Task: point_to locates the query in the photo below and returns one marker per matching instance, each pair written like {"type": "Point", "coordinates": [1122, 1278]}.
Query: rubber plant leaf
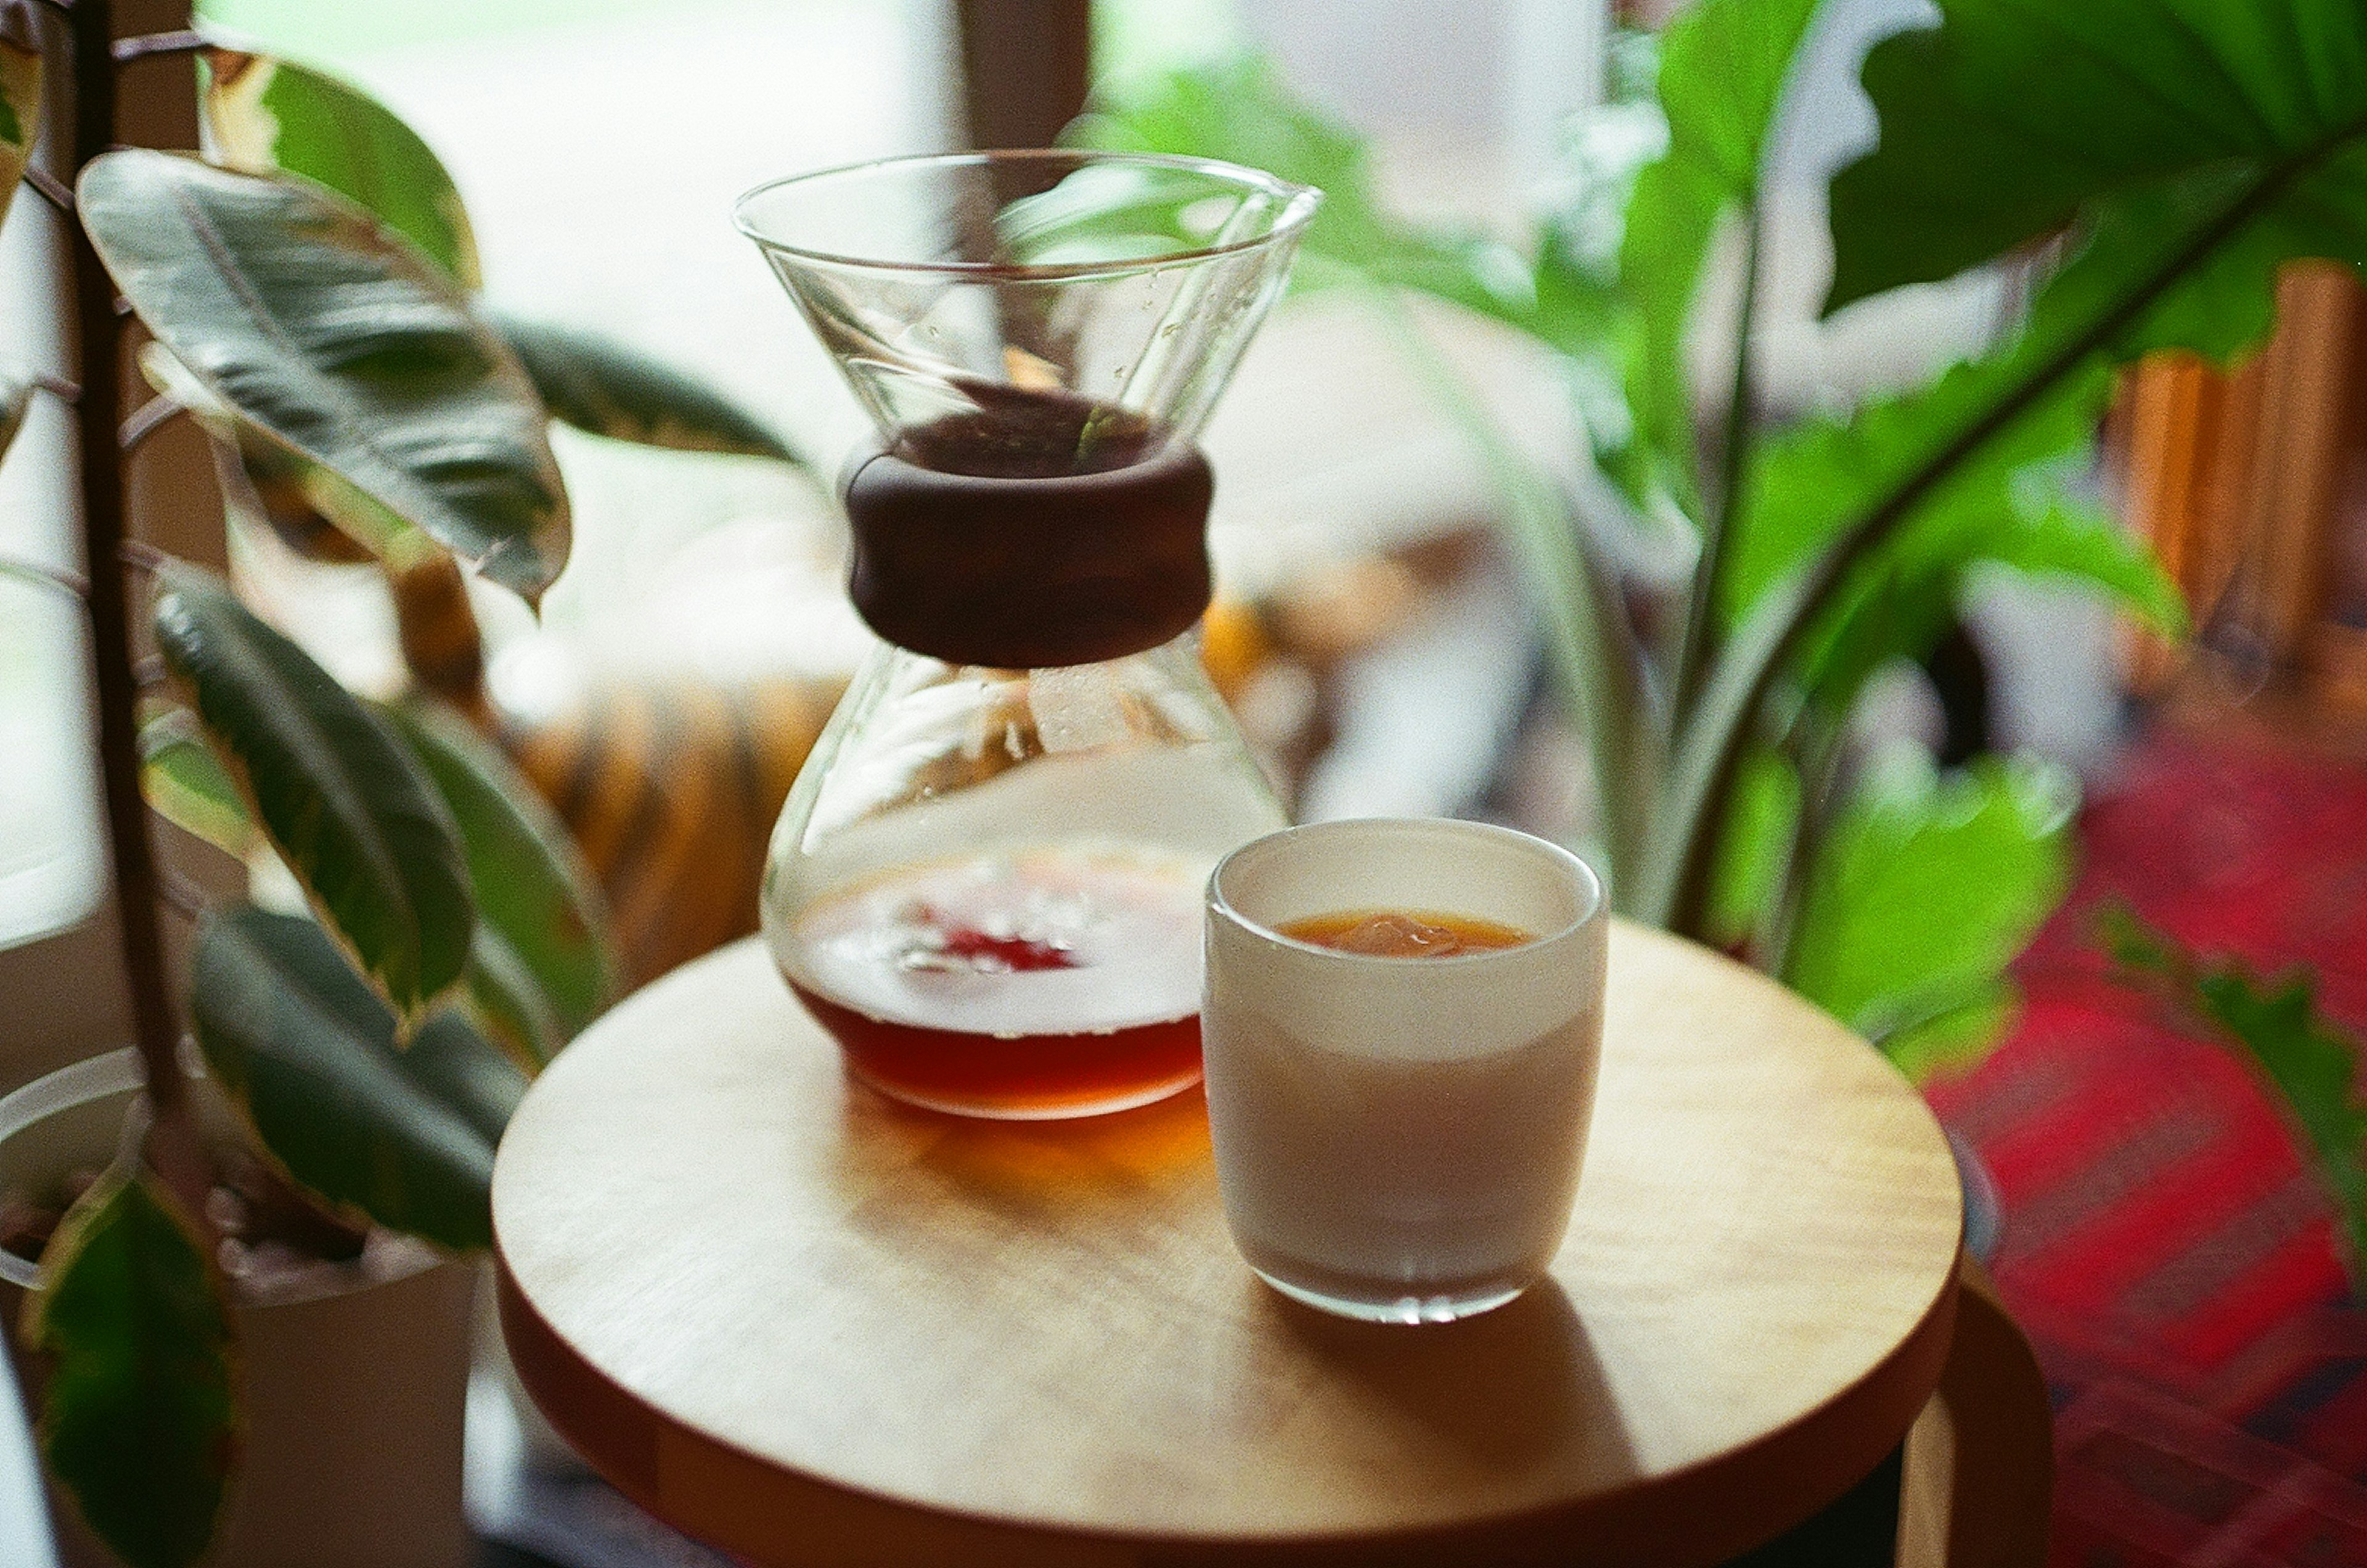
{"type": "Point", "coordinates": [355, 819]}
{"type": "Point", "coordinates": [535, 897]}
{"type": "Point", "coordinates": [262, 116]}
{"type": "Point", "coordinates": [184, 780]}
{"type": "Point", "coordinates": [314, 320]}
{"type": "Point", "coordinates": [20, 115]}
{"type": "Point", "coordinates": [1722, 65]}
{"type": "Point", "coordinates": [313, 512]}
{"type": "Point", "coordinates": [1925, 889]}
{"type": "Point", "coordinates": [139, 1421]}
{"type": "Point", "coordinates": [598, 383]}
{"type": "Point", "coordinates": [403, 1135]}
{"type": "Point", "coordinates": [509, 1005]}
{"type": "Point", "coordinates": [2311, 1062]}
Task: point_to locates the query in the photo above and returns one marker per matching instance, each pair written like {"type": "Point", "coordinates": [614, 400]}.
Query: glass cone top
{"type": "Point", "coordinates": [1032, 314]}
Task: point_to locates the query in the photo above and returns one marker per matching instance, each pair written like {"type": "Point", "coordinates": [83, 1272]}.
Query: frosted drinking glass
{"type": "Point", "coordinates": [1398, 1138]}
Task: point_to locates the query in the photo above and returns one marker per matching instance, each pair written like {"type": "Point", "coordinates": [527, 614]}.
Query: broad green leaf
{"type": "Point", "coordinates": [262, 116]}
{"type": "Point", "coordinates": [1927, 887]}
{"type": "Point", "coordinates": [333, 786]}
{"type": "Point", "coordinates": [1957, 1033]}
{"type": "Point", "coordinates": [139, 1421]}
{"type": "Point", "coordinates": [1806, 484]}
{"type": "Point", "coordinates": [184, 779]}
{"type": "Point", "coordinates": [313, 512]}
{"type": "Point", "coordinates": [1238, 109]}
{"type": "Point", "coordinates": [534, 892]}
{"type": "Point", "coordinates": [298, 309]}
{"type": "Point", "coordinates": [2313, 1063]}
{"type": "Point", "coordinates": [2010, 121]}
{"type": "Point", "coordinates": [1753, 843]}
{"type": "Point", "coordinates": [1722, 65]}
{"type": "Point", "coordinates": [597, 384]}
{"type": "Point", "coordinates": [2009, 504]}
{"type": "Point", "coordinates": [403, 1134]}
{"type": "Point", "coordinates": [511, 1006]}
{"type": "Point", "coordinates": [2190, 263]}
{"type": "Point", "coordinates": [20, 115]}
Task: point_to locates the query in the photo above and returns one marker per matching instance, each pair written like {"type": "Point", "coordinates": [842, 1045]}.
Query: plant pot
{"type": "Point", "coordinates": [353, 1396]}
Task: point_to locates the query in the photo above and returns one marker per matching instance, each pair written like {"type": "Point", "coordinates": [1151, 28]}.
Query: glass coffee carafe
{"type": "Point", "coordinates": [986, 883]}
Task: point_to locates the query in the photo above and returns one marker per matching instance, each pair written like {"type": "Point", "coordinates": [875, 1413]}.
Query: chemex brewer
{"type": "Point", "coordinates": [987, 881]}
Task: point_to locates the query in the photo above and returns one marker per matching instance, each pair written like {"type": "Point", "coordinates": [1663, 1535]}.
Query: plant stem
{"type": "Point", "coordinates": [1719, 523]}
{"type": "Point", "coordinates": [1598, 665]}
{"type": "Point", "coordinates": [155, 1029]}
{"type": "Point", "coordinates": [1817, 758]}
{"type": "Point", "coordinates": [1711, 743]}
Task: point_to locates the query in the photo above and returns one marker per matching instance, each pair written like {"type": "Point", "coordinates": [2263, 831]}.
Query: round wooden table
{"type": "Point", "coordinates": [810, 1326]}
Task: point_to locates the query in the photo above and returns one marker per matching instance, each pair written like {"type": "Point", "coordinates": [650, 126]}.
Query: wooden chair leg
{"type": "Point", "coordinates": [1980, 1460]}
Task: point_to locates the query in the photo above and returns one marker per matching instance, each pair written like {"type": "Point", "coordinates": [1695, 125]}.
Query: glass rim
{"type": "Point", "coordinates": [1299, 205]}
{"type": "Point", "coordinates": [1592, 905]}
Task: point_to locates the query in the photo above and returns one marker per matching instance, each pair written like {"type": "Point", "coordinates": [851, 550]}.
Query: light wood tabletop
{"type": "Point", "coordinates": [810, 1326]}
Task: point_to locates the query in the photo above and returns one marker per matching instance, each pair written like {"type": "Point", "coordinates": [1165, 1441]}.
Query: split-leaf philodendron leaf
{"type": "Point", "coordinates": [1924, 891]}
{"type": "Point", "coordinates": [2010, 121]}
{"type": "Point", "coordinates": [264, 115]}
{"type": "Point", "coordinates": [534, 892]}
{"type": "Point", "coordinates": [345, 806]}
{"type": "Point", "coordinates": [403, 1134]}
{"type": "Point", "coordinates": [333, 335]}
{"type": "Point", "coordinates": [140, 1420]}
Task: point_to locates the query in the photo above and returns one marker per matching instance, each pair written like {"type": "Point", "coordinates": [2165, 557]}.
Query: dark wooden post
{"type": "Point", "coordinates": [1025, 68]}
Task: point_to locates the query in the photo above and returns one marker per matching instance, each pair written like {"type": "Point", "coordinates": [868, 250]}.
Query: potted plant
{"type": "Point", "coordinates": [266, 1262]}
{"type": "Point", "coordinates": [1732, 805]}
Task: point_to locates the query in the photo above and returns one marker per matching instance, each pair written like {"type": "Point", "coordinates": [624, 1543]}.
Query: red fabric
{"type": "Point", "coordinates": [2164, 1247]}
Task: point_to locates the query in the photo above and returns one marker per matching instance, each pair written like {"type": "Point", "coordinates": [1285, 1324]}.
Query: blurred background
{"type": "Point", "coordinates": [2162, 1242]}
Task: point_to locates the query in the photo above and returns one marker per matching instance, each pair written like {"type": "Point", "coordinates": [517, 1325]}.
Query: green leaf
{"type": "Point", "coordinates": [597, 384]}
{"type": "Point", "coordinates": [506, 999]}
{"type": "Point", "coordinates": [534, 895]}
{"type": "Point", "coordinates": [404, 1136]}
{"type": "Point", "coordinates": [2010, 121]}
{"type": "Point", "coordinates": [313, 512]}
{"type": "Point", "coordinates": [1722, 65]}
{"type": "Point", "coordinates": [2310, 1061]}
{"type": "Point", "coordinates": [262, 116]}
{"type": "Point", "coordinates": [184, 779]}
{"type": "Point", "coordinates": [1927, 887]}
{"type": "Point", "coordinates": [2006, 504]}
{"type": "Point", "coordinates": [335, 789]}
{"type": "Point", "coordinates": [1806, 484]}
{"type": "Point", "coordinates": [328, 332]}
{"type": "Point", "coordinates": [1238, 109]}
{"type": "Point", "coordinates": [20, 115]}
{"type": "Point", "coordinates": [140, 1420]}
{"type": "Point", "coordinates": [1956, 1032]}
{"type": "Point", "coordinates": [1753, 845]}
{"type": "Point", "coordinates": [2178, 247]}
